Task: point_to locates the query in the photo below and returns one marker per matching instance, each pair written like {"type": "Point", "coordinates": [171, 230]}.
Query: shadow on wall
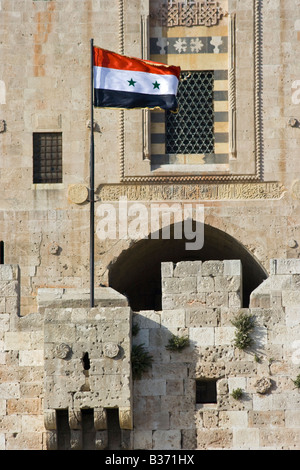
{"type": "Point", "coordinates": [137, 271]}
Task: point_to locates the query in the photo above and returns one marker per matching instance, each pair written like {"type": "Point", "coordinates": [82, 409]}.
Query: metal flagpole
{"type": "Point", "coordinates": [92, 184]}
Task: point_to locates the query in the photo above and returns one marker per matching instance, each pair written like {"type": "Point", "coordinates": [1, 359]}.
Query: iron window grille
{"type": "Point", "coordinates": [191, 130]}
{"type": "Point", "coordinates": [47, 157]}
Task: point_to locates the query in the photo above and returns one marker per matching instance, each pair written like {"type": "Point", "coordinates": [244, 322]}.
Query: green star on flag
{"type": "Point", "coordinates": [131, 82]}
{"type": "Point", "coordinates": [156, 85]}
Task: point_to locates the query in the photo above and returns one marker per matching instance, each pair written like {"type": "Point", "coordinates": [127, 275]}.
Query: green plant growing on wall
{"type": "Point", "coordinates": [297, 381]}
{"type": "Point", "coordinates": [244, 325]}
{"type": "Point", "coordinates": [177, 343]}
{"type": "Point", "coordinates": [237, 393]}
{"type": "Point", "coordinates": [141, 360]}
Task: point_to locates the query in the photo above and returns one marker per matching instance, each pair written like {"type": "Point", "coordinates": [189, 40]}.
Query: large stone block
{"type": "Point", "coordinates": [166, 439]}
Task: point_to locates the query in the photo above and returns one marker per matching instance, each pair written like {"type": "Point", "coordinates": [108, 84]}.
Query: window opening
{"type": "Point", "coordinates": [86, 367]}
{"type": "Point", "coordinates": [47, 157]}
{"type": "Point", "coordinates": [206, 391]}
{"type": "Point", "coordinates": [1, 252]}
{"type": "Point", "coordinates": [63, 430]}
{"type": "Point", "coordinates": [86, 361]}
{"type": "Point", "coordinates": [113, 428]}
{"type": "Point", "coordinates": [191, 130]}
{"type": "Point", "coordinates": [88, 429]}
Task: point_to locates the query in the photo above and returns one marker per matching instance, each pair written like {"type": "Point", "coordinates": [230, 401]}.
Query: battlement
{"type": "Point", "coordinates": [71, 362]}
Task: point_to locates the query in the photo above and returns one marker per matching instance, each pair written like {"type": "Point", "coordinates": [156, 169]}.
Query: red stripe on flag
{"type": "Point", "coordinates": [112, 60]}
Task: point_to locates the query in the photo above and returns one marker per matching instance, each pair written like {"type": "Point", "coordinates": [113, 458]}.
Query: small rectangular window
{"type": "Point", "coordinates": [1, 252]}
{"type": "Point", "coordinates": [191, 131]}
{"type": "Point", "coordinates": [47, 157]}
{"type": "Point", "coordinates": [206, 391]}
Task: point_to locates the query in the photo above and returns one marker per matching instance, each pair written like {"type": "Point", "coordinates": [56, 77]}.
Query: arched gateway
{"type": "Point", "coordinates": [137, 271]}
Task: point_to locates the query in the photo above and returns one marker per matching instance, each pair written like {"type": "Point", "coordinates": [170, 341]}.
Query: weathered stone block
{"type": "Point", "coordinates": [202, 336]}
{"type": "Point", "coordinates": [232, 267]}
{"type": "Point", "coordinates": [183, 285]}
{"type": "Point", "coordinates": [259, 419]}
{"type": "Point", "coordinates": [168, 439]}
{"type": "Point", "coordinates": [214, 439]}
{"type": "Point", "coordinates": [185, 269]}
{"type": "Point", "coordinates": [202, 317]}
{"type": "Point", "coordinates": [9, 272]}
{"type": "Point", "coordinates": [142, 439]}
{"type": "Point", "coordinates": [217, 299]}
{"type": "Point", "coordinates": [173, 318]}
{"type": "Point", "coordinates": [246, 438]}
{"type": "Point", "coordinates": [285, 266]}
{"type": "Point", "coordinates": [290, 298]}
{"type": "Point", "coordinates": [227, 283]}
{"type": "Point", "coordinates": [205, 284]}
{"type": "Point", "coordinates": [167, 269]}
{"type": "Point", "coordinates": [224, 335]}
{"type": "Point", "coordinates": [212, 268]}
{"type": "Point", "coordinates": [147, 319]}
{"type": "Point", "coordinates": [149, 387]}
{"type": "Point", "coordinates": [17, 341]}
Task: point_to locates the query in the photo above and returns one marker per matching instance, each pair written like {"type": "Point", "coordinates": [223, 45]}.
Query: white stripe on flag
{"type": "Point", "coordinates": [135, 82]}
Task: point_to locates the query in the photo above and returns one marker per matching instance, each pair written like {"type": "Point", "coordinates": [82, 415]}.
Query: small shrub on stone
{"type": "Point", "coordinates": [297, 381]}
{"type": "Point", "coordinates": [177, 343]}
{"type": "Point", "coordinates": [141, 360]}
{"type": "Point", "coordinates": [237, 393]}
{"type": "Point", "coordinates": [244, 325]}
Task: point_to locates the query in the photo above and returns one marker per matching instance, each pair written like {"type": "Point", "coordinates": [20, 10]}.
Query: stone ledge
{"type": "Point", "coordinates": [67, 298]}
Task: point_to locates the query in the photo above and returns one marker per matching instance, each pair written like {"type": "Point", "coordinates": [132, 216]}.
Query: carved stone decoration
{"type": "Point", "coordinates": [74, 419]}
{"type": "Point", "coordinates": [50, 420]}
{"type": "Point", "coordinates": [125, 418]}
{"type": "Point", "coordinates": [53, 248]}
{"type": "Point", "coordinates": [78, 193]}
{"type": "Point", "coordinates": [263, 385]}
{"type": "Point", "coordinates": [111, 350]}
{"type": "Point", "coordinates": [62, 351]}
{"type": "Point", "coordinates": [2, 125]}
{"type": "Point", "coordinates": [100, 419]}
{"type": "Point", "coordinates": [199, 13]}
{"type": "Point", "coordinates": [197, 192]}
{"type": "Point", "coordinates": [296, 190]}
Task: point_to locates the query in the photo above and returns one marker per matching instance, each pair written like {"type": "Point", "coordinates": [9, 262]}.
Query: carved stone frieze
{"type": "Point", "coordinates": [193, 192]}
{"type": "Point", "coordinates": [201, 13]}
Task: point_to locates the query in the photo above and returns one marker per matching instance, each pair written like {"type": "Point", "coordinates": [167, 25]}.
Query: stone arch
{"type": "Point", "coordinates": [136, 271]}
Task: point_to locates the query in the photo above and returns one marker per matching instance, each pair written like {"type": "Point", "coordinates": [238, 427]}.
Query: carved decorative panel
{"type": "Point", "coordinates": [203, 13]}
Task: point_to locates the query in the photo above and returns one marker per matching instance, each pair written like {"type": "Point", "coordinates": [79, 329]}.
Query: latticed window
{"type": "Point", "coordinates": [191, 130]}
{"type": "Point", "coordinates": [47, 157]}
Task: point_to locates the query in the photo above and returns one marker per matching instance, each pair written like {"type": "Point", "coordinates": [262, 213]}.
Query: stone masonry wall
{"type": "Point", "coordinates": [199, 301]}
{"type": "Point", "coordinates": [21, 369]}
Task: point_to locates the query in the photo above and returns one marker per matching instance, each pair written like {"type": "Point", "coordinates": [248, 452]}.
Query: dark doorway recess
{"type": "Point", "coordinates": [136, 272]}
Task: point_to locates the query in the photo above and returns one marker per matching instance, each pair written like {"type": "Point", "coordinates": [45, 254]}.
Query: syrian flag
{"type": "Point", "coordinates": [127, 82]}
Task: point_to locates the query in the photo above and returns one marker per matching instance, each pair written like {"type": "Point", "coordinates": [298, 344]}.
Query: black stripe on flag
{"type": "Point", "coordinates": [129, 100]}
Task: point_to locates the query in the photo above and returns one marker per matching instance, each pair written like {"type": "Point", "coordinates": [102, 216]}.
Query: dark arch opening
{"type": "Point", "coordinates": [137, 271]}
